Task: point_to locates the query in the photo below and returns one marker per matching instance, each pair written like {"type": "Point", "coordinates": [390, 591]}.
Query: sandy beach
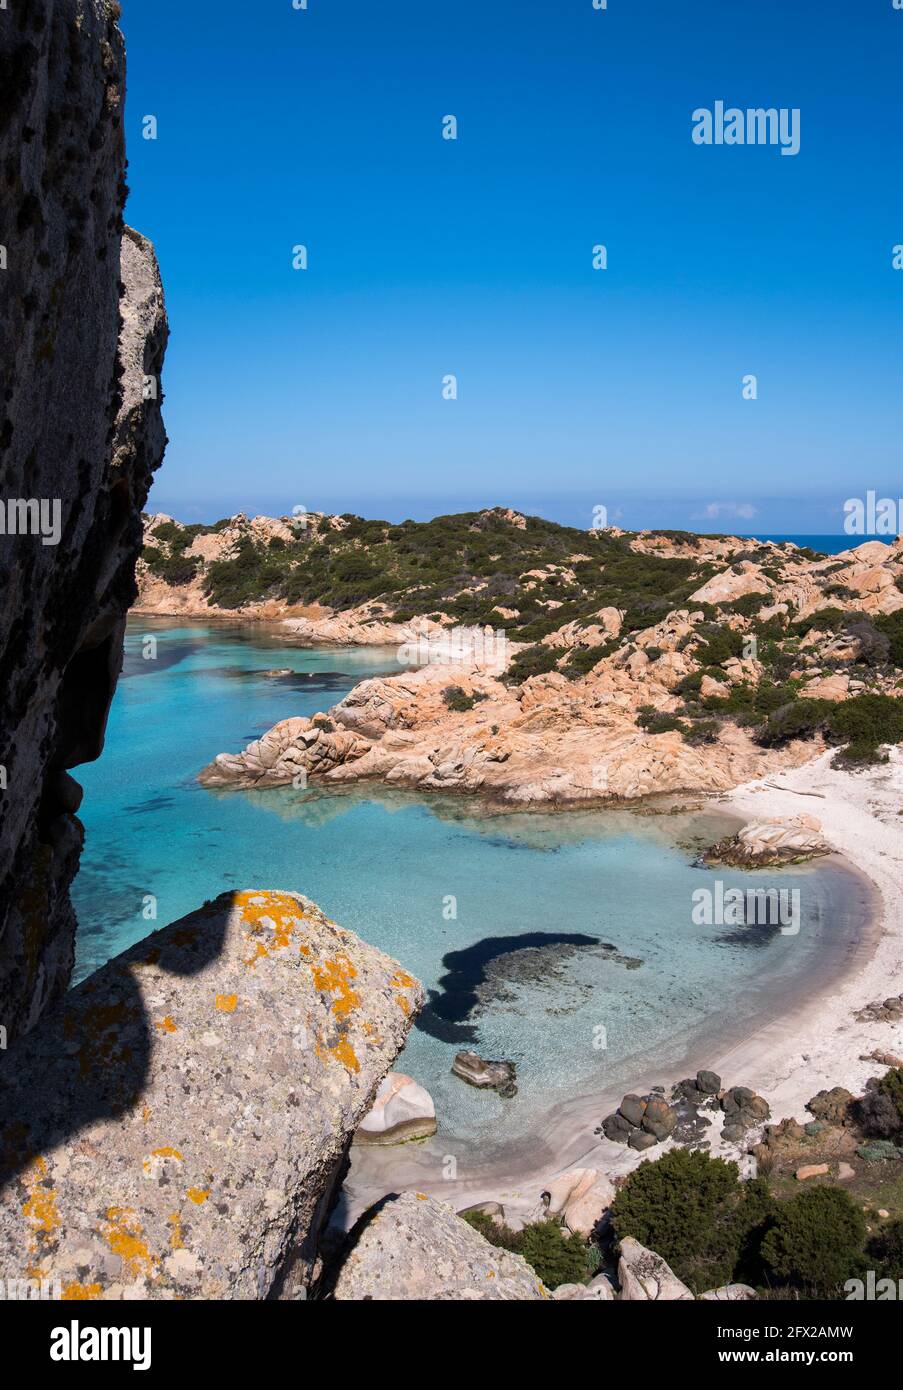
{"type": "Point", "coordinates": [818, 1044]}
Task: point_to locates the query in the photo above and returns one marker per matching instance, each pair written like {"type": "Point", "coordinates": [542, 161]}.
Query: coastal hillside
{"type": "Point", "coordinates": [541, 663]}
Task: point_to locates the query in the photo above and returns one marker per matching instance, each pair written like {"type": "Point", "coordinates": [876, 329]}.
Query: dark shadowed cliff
{"type": "Point", "coordinates": [82, 338]}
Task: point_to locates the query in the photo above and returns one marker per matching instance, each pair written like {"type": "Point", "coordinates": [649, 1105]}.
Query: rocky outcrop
{"type": "Point", "coordinates": [640, 1121]}
{"type": "Point", "coordinates": [646, 1277]}
{"type": "Point", "coordinates": [413, 1247]}
{"type": "Point", "coordinates": [83, 336]}
{"type": "Point", "coordinates": [580, 1198]}
{"type": "Point", "coordinates": [486, 1075]}
{"type": "Point", "coordinates": [546, 742]}
{"type": "Point", "coordinates": [402, 1110]}
{"type": "Point", "coordinates": [176, 1128]}
{"type": "Point", "coordinates": [763, 844]}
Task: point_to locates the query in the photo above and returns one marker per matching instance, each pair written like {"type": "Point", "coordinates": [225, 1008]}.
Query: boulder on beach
{"type": "Point", "coordinates": [402, 1111]}
{"type": "Point", "coordinates": [581, 1198]}
{"type": "Point", "coordinates": [486, 1075]}
{"type": "Point", "coordinates": [765, 843]}
{"type": "Point", "coordinates": [832, 1107]}
{"type": "Point", "coordinates": [743, 1110]}
{"type": "Point", "coordinates": [640, 1121]}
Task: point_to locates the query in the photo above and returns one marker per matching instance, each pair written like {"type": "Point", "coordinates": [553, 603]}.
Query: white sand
{"type": "Point", "coordinates": [787, 1061]}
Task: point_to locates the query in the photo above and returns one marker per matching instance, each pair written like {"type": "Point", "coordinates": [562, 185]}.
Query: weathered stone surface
{"type": "Point", "coordinates": [644, 1275]}
{"type": "Point", "coordinates": [831, 1106]}
{"type": "Point", "coordinates": [709, 1082]}
{"type": "Point", "coordinates": [77, 430]}
{"type": "Point", "coordinates": [402, 1110]}
{"type": "Point", "coordinates": [598, 1290]}
{"type": "Point", "coordinates": [174, 1130]}
{"type": "Point", "coordinates": [413, 1247]}
{"type": "Point", "coordinates": [485, 1075]}
{"type": "Point", "coordinates": [773, 842]}
{"type": "Point", "coordinates": [581, 1197]}
{"type": "Point", "coordinates": [729, 1293]}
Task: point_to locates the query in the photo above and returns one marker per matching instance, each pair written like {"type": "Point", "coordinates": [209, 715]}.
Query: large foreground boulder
{"type": "Point", "coordinates": [413, 1247]}
{"type": "Point", "coordinates": [175, 1130]}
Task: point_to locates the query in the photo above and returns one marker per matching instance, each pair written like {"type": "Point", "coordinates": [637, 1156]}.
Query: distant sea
{"type": "Point", "coordinates": [827, 545]}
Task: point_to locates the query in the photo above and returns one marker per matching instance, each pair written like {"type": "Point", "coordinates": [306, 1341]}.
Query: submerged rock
{"type": "Point", "coordinates": [485, 1075]}
{"type": "Point", "coordinates": [413, 1247]}
{"type": "Point", "coordinates": [175, 1130]}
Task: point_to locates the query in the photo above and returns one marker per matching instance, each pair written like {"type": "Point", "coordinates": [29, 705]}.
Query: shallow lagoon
{"type": "Point", "coordinates": [563, 942]}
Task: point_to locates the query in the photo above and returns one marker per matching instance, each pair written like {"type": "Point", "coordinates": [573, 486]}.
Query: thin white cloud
{"type": "Point", "coordinates": [744, 510]}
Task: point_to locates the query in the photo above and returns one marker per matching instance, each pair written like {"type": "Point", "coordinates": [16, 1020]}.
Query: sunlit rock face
{"type": "Point", "coordinates": [82, 338]}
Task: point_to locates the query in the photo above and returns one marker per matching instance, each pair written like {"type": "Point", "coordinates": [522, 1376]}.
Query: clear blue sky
{"type": "Point", "coordinates": [577, 387]}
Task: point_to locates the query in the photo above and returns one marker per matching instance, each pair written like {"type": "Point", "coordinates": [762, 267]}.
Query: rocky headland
{"type": "Point", "coordinates": [761, 656]}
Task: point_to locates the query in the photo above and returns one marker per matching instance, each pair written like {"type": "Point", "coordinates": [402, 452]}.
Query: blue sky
{"type": "Point", "coordinates": [577, 388]}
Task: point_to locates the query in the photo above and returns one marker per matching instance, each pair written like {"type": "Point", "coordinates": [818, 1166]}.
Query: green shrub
{"type": "Point", "coordinates": [557, 1256]}
{"type": "Point", "coordinates": [582, 659]}
{"type": "Point", "coordinates": [657, 722]}
{"type": "Point", "coordinates": [815, 1241]}
{"type": "Point", "coordinates": [747, 606]}
{"type": "Point", "coordinates": [886, 1248]}
{"type": "Point", "coordinates": [458, 700]}
{"type": "Point", "coordinates": [693, 1211]}
{"type": "Point", "coordinates": [532, 661]}
{"type": "Point", "coordinates": [797, 719]}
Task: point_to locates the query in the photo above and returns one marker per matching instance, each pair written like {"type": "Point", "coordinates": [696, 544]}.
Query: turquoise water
{"type": "Point", "coordinates": [527, 929]}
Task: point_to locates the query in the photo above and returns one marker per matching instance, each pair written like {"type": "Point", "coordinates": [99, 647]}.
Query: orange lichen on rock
{"type": "Point", "coordinates": [198, 1195]}
{"type": "Point", "coordinates": [334, 977]}
{"type": "Point", "coordinates": [342, 1051]}
{"type": "Point", "coordinates": [124, 1239]}
{"type": "Point", "coordinates": [40, 1210]}
{"type": "Point", "coordinates": [278, 912]}
{"type": "Point", "coordinates": [80, 1293]}
{"type": "Point", "coordinates": [165, 1025]}
{"type": "Point", "coordinates": [175, 1238]}
{"type": "Point", "coordinates": [402, 980]}
{"type": "Point", "coordinates": [226, 1003]}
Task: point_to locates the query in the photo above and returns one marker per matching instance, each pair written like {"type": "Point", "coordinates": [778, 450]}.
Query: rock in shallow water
{"type": "Point", "coordinates": [485, 1075]}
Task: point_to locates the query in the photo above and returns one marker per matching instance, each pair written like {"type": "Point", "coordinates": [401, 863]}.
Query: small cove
{"type": "Point", "coordinates": [562, 942]}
